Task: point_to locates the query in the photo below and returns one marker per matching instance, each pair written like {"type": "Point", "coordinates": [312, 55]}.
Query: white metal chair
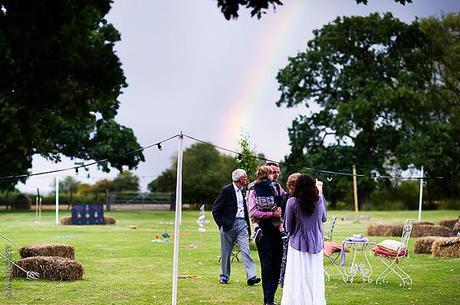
{"type": "Point", "coordinates": [235, 253]}
{"type": "Point", "coordinates": [332, 253]}
{"type": "Point", "coordinates": [392, 259]}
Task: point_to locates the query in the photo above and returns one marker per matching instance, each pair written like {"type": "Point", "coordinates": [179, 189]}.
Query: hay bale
{"type": "Point", "coordinates": [51, 268]}
{"type": "Point", "coordinates": [446, 247]}
{"type": "Point", "coordinates": [48, 249]}
{"type": "Point", "coordinates": [66, 220]}
{"type": "Point", "coordinates": [109, 220]}
{"type": "Point", "coordinates": [382, 229]}
{"type": "Point", "coordinates": [428, 230]}
{"type": "Point", "coordinates": [424, 244]}
{"type": "Point", "coordinates": [417, 223]}
{"type": "Point", "coordinates": [450, 223]}
{"type": "Point", "coordinates": [456, 229]}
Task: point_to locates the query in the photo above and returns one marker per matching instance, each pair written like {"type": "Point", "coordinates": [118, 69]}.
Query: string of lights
{"type": "Point", "coordinates": [86, 165]}
{"type": "Point", "coordinates": [330, 173]}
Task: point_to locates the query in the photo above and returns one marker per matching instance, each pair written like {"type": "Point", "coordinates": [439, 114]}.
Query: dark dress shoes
{"type": "Point", "coordinates": [253, 280]}
{"type": "Point", "coordinates": [223, 281]}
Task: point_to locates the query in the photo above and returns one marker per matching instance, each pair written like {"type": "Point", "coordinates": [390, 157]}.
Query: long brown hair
{"type": "Point", "coordinates": [306, 194]}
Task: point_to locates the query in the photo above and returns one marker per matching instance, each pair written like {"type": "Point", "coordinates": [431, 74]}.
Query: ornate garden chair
{"type": "Point", "coordinates": [332, 253]}
{"type": "Point", "coordinates": [235, 253]}
{"type": "Point", "coordinates": [392, 253]}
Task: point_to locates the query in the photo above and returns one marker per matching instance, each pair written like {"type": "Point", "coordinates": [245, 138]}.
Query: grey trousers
{"type": "Point", "coordinates": [237, 234]}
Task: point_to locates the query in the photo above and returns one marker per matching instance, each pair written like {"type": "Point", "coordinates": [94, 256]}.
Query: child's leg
{"type": "Point", "coordinates": [280, 226]}
{"type": "Point", "coordinates": [257, 230]}
{"type": "Point", "coordinates": [278, 223]}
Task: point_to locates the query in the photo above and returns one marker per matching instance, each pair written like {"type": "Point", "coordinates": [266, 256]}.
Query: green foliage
{"type": "Point", "coordinates": [258, 7]}
{"type": "Point", "coordinates": [165, 182]}
{"type": "Point", "coordinates": [403, 196]}
{"type": "Point", "coordinates": [204, 172]}
{"type": "Point", "coordinates": [59, 86]}
{"type": "Point", "coordinates": [230, 8]}
{"type": "Point", "coordinates": [125, 181]}
{"type": "Point", "coordinates": [247, 159]}
{"type": "Point", "coordinates": [403, 2]}
{"type": "Point", "coordinates": [73, 191]}
{"type": "Point", "coordinates": [68, 185]}
{"type": "Point", "coordinates": [435, 144]}
{"type": "Point", "coordinates": [371, 79]}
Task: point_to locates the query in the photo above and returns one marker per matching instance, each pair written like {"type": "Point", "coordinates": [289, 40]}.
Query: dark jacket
{"type": "Point", "coordinates": [225, 207]}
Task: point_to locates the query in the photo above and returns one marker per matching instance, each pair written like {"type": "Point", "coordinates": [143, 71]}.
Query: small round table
{"type": "Point", "coordinates": [362, 265]}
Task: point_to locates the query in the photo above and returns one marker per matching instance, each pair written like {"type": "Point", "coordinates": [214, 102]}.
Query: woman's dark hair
{"type": "Point", "coordinates": [306, 194]}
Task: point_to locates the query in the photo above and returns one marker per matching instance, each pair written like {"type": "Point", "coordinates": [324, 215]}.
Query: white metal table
{"type": "Point", "coordinates": [360, 261]}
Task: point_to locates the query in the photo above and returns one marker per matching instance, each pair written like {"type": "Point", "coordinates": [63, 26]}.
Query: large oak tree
{"type": "Point", "coordinates": [369, 84]}
{"type": "Point", "coordinates": [60, 80]}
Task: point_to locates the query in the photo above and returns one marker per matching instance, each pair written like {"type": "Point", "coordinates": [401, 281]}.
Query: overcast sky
{"type": "Point", "coordinates": [191, 70]}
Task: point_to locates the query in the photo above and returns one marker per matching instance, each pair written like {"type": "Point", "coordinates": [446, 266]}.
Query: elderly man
{"type": "Point", "coordinates": [231, 216]}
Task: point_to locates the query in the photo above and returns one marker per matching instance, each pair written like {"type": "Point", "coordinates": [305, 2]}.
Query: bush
{"type": "Point", "coordinates": [448, 204]}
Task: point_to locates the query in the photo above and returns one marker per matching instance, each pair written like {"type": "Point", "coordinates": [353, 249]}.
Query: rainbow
{"type": "Point", "coordinates": [259, 79]}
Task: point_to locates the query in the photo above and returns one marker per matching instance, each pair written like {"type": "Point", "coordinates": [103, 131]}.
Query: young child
{"type": "Point", "coordinates": [266, 194]}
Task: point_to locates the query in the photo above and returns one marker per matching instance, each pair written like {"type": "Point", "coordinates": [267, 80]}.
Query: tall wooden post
{"type": "Point", "coordinates": [355, 193]}
{"type": "Point", "coordinates": [420, 197]}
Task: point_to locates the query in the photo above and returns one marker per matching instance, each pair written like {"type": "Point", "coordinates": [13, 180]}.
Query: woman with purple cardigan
{"type": "Point", "coordinates": [305, 214]}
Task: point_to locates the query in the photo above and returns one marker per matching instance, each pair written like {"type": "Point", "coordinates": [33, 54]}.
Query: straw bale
{"type": "Point", "coordinates": [382, 229]}
{"type": "Point", "coordinates": [66, 220]}
{"type": "Point", "coordinates": [48, 249]}
{"type": "Point", "coordinates": [456, 229]}
{"type": "Point", "coordinates": [428, 230]}
{"type": "Point", "coordinates": [109, 220]}
{"type": "Point", "coordinates": [51, 268]}
{"type": "Point", "coordinates": [424, 244]}
{"type": "Point", "coordinates": [417, 223]}
{"type": "Point", "coordinates": [447, 247]}
{"type": "Point", "coordinates": [450, 223]}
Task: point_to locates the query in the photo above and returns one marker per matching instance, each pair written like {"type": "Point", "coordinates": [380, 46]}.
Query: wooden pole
{"type": "Point", "coordinates": [39, 209]}
{"type": "Point", "coordinates": [355, 193]}
{"type": "Point", "coordinates": [36, 209]}
{"type": "Point", "coordinates": [420, 197]}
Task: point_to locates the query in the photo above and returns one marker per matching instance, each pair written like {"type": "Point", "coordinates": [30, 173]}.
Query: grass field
{"type": "Point", "coordinates": [123, 266]}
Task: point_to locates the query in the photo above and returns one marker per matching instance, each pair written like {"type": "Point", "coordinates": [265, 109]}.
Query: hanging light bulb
{"type": "Point", "coordinates": [329, 178]}
{"type": "Point", "coordinates": [240, 157]}
{"type": "Point", "coordinates": [159, 146]}
{"type": "Point", "coordinates": [374, 176]}
{"type": "Point", "coordinates": [76, 170]}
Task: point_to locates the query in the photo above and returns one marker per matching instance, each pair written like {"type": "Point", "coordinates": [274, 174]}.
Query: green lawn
{"type": "Point", "coordinates": [123, 266]}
